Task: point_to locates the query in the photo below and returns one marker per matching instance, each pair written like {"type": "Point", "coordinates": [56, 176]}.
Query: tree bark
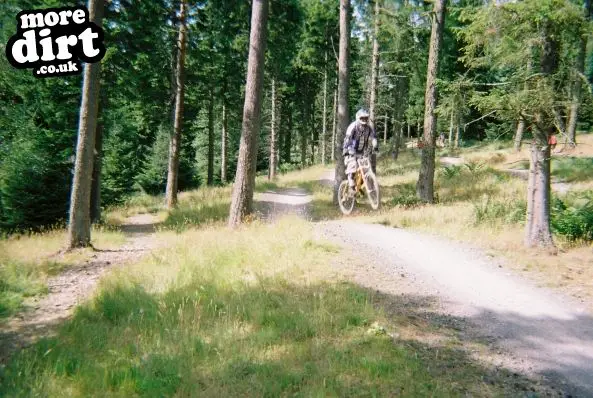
{"type": "Point", "coordinates": [175, 142]}
{"type": "Point", "coordinates": [97, 165]}
{"type": "Point", "coordinates": [385, 132]}
{"type": "Point", "coordinates": [324, 117]}
{"type": "Point", "coordinates": [374, 65]}
{"type": "Point", "coordinates": [537, 228]}
{"type": "Point", "coordinates": [242, 198]}
{"type": "Point", "coordinates": [288, 138]}
{"type": "Point", "coordinates": [224, 138]}
{"type": "Point", "coordinates": [458, 130]}
{"type": "Point", "coordinates": [397, 133]}
{"type": "Point", "coordinates": [409, 130]}
{"type": "Point", "coordinates": [334, 114]}
{"type": "Point", "coordinates": [449, 144]}
{"type": "Point", "coordinates": [272, 168]}
{"type": "Point", "coordinates": [303, 146]}
{"type": "Point", "coordinates": [79, 225]}
{"type": "Point", "coordinates": [425, 185]}
{"type": "Point", "coordinates": [519, 133]}
{"type": "Point", "coordinates": [343, 88]}
{"type": "Point", "coordinates": [211, 138]}
{"type": "Point", "coordinates": [571, 129]}
{"type": "Point", "coordinates": [537, 231]}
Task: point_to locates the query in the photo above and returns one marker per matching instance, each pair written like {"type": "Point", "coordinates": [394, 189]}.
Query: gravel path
{"type": "Point", "coordinates": [534, 331]}
{"type": "Point", "coordinates": [73, 286]}
{"type": "Point", "coordinates": [273, 204]}
{"type": "Point", "coordinates": [528, 329]}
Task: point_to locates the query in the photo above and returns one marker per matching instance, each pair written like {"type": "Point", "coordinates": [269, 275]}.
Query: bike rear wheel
{"type": "Point", "coordinates": [345, 198]}
{"type": "Point", "coordinates": [372, 188]}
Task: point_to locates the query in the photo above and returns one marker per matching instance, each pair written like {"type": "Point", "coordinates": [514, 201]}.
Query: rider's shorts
{"type": "Point", "coordinates": [350, 163]}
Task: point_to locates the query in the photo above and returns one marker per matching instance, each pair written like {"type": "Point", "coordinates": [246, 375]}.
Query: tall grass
{"type": "Point", "coordinates": [237, 313]}
{"type": "Point", "coordinates": [26, 261]}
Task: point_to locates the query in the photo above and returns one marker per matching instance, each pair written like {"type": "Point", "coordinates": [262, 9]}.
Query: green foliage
{"type": "Point", "coordinates": [475, 168]}
{"type": "Point", "coordinates": [572, 169]}
{"type": "Point", "coordinates": [34, 188]}
{"type": "Point", "coordinates": [493, 211]}
{"type": "Point", "coordinates": [153, 177]}
{"type": "Point", "coordinates": [573, 216]}
{"type": "Point", "coordinates": [18, 281]}
{"type": "Point", "coordinates": [451, 172]}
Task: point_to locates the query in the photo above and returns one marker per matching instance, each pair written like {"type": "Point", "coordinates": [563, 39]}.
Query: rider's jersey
{"type": "Point", "coordinates": [359, 137]}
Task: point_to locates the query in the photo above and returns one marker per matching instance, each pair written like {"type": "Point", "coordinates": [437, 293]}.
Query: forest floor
{"type": "Point", "coordinates": [461, 317]}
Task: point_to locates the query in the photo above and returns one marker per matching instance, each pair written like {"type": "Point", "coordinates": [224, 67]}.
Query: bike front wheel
{"type": "Point", "coordinates": [345, 198]}
{"type": "Point", "coordinates": [372, 188]}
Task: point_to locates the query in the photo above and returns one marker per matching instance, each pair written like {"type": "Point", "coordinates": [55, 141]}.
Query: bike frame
{"type": "Point", "coordinates": [363, 169]}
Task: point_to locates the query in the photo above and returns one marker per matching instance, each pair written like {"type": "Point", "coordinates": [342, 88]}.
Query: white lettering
{"type": "Point", "coordinates": [51, 19]}
{"type": "Point", "coordinates": [32, 21]}
{"type": "Point", "coordinates": [78, 16]}
{"type": "Point", "coordinates": [64, 15]}
{"type": "Point", "coordinates": [18, 48]}
{"type": "Point", "coordinates": [48, 51]}
{"type": "Point", "coordinates": [87, 37]}
{"type": "Point", "coordinates": [63, 42]}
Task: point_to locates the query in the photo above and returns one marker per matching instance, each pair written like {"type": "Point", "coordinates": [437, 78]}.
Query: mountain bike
{"type": "Point", "coordinates": [365, 182]}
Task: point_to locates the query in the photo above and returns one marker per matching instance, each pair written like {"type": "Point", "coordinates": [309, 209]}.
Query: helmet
{"type": "Point", "coordinates": [362, 116]}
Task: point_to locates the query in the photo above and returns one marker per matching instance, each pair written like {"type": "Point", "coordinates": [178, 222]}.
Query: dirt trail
{"type": "Point", "coordinates": [529, 329]}
{"type": "Point", "coordinates": [276, 203]}
{"type": "Point", "coordinates": [73, 286]}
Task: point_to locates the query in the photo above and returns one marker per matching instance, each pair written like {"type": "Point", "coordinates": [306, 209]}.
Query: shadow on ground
{"type": "Point", "coordinates": [275, 338]}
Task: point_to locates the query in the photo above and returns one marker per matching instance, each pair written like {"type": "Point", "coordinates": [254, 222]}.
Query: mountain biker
{"type": "Point", "coordinates": [356, 143]}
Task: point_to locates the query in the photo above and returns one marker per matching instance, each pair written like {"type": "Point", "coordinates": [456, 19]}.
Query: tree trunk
{"type": "Point", "coordinates": [79, 225]}
{"type": "Point", "coordinates": [537, 231]}
{"type": "Point", "coordinates": [374, 65]}
{"type": "Point", "coordinates": [397, 133]}
{"type": "Point", "coordinates": [288, 138]}
{"type": "Point", "coordinates": [324, 121]}
{"type": "Point", "coordinates": [576, 88]}
{"type": "Point", "coordinates": [519, 134]}
{"type": "Point", "coordinates": [409, 130]}
{"type": "Point", "coordinates": [425, 185]}
{"type": "Point", "coordinates": [458, 130]}
{"type": "Point", "coordinates": [97, 165]}
{"type": "Point", "coordinates": [242, 198]}
{"type": "Point", "coordinates": [343, 88]}
{"type": "Point", "coordinates": [537, 228]}
{"type": "Point", "coordinates": [303, 146]}
{"type": "Point", "coordinates": [451, 130]}
{"type": "Point", "coordinates": [272, 168]}
{"type": "Point", "coordinates": [211, 138]}
{"type": "Point", "coordinates": [175, 142]}
{"type": "Point", "coordinates": [385, 132]}
{"type": "Point", "coordinates": [223, 151]}
{"type": "Point", "coordinates": [334, 114]}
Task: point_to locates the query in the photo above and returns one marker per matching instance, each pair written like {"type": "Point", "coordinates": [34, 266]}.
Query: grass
{"type": "Point", "coordinates": [573, 169]}
{"type": "Point", "coordinates": [241, 313]}
{"type": "Point", "coordinates": [26, 261]}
